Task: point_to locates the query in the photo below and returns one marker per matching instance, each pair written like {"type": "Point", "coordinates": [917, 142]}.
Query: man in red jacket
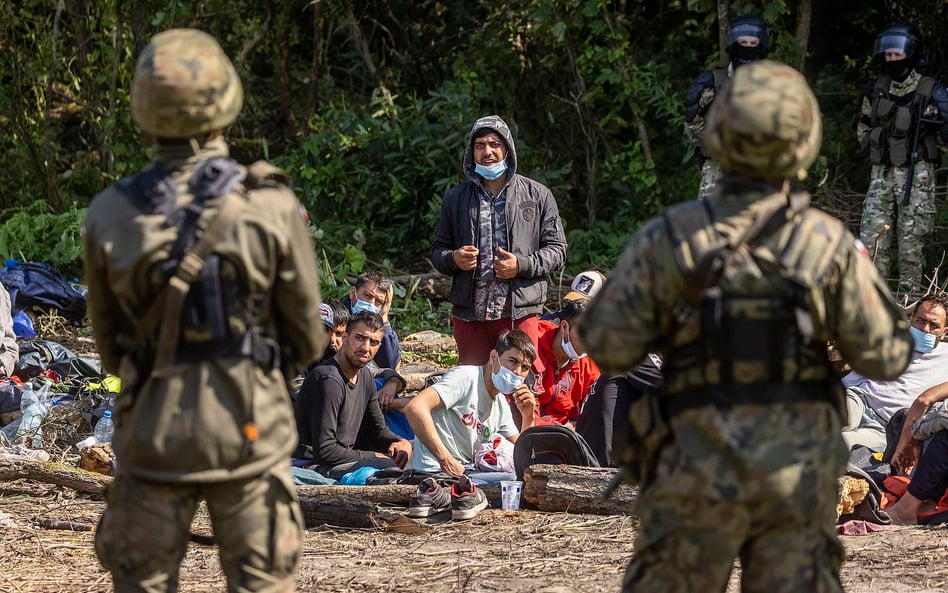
{"type": "Point", "coordinates": [563, 373]}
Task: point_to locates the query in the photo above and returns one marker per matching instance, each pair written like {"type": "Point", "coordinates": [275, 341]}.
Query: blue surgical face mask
{"type": "Point", "coordinates": [491, 172]}
{"type": "Point", "coordinates": [924, 342]}
{"type": "Point", "coordinates": [361, 305]}
{"type": "Point", "coordinates": [505, 380]}
{"type": "Point", "coordinates": [570, 351]}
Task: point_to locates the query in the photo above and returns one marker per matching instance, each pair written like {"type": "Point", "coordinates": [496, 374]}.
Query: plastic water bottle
{"type": "Point", "coordinates": [34, 410]}
{"type": "Point", "coordinates": [28, 396]}
{"type": "Point", "coordinates": [104, 428]}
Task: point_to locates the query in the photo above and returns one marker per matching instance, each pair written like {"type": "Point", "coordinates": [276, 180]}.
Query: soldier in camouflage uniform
{"type": "Point", "coordinates": [887, 127]}
{"type": "Point", "coordinates": [740, 293]}
{"type": "Point", "coordinates": [748, 41]}
{"type": "Point", "coordinates": [221, 256]}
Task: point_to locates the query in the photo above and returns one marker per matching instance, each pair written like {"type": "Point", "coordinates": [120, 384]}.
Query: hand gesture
{"type": "Point", "coordinates": [449, 465]}
{"type": "Point", "coordinates": [906, 456]}
{"type": "Point", "coordinates": [525, 400]}
{"type": "Point", "coordinates": [400, 452]}
{"type": "Point", "coordinates": [387, 394]}
{"type": "Point", "coordinates": [387, 306]}
{"type": "Point", "coordinates": [465, 258]}
{"type": "Point", "coordinates": [505, 265]}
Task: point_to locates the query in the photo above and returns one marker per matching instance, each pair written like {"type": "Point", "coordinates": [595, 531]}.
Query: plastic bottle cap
{"type": "Point", "coordinates": [107, 414]}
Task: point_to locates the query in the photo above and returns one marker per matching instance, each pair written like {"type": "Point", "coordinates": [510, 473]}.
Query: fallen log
{"type": "Point", "coordinates": [576, 489]}
{"type": "Point", "coordinates": [355, 513]}
{"type": "Point", "coordinates": [391, 494]}
{"type": "Point", "coordinates": [360, 507]}
{"type": "Point", "coordinates": [15, 467]}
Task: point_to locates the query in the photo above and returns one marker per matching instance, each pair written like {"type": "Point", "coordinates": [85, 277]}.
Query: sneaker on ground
{"type": "Point", "coordinates": [429, 499]}
{"type": "Point", "coordinates": [466, 499]}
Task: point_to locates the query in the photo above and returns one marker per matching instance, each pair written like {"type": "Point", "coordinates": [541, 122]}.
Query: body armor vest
{"type": "Point", "coordinates": [749, 328]}
{"type": "Point", "coordinates": [893, 125]}
{"type": "Point", "coordinates": [219, 314]}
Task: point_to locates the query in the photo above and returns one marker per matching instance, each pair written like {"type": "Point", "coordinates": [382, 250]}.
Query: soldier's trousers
{"type": "Point", "coordinates": [756, 482]}
{"type": "Point", "coordinates": [710, 175]}
{"type": "Point", "coordinates": [909, 225]}
{"type": "Point", "coordinates": [143, 534]}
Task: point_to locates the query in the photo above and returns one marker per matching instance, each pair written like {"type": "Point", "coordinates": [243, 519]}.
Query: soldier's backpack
{"type": "Point", "coordinates": [551, 444]}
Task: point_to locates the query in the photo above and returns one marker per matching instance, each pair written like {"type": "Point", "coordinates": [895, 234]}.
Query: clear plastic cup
{"type": "Point", "coordinates": [510, 494]}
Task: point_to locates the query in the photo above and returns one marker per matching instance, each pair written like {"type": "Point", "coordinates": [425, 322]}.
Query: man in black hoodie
{"type": "Point", "coordinates": [498, 236]}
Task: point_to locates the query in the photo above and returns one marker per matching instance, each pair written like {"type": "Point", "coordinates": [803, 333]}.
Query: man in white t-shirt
{"type": "Point", "coordinates": [455, 415]}
{"type": "Point", "coordinates": [871, 404]}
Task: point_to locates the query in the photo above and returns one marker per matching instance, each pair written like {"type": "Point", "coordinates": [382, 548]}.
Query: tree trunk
{"type": "Point", "coordinates": [575, 489]}
{"type": "Point", "coordinates": [804, 20]}
{"type": "Point", "coordinates": [15, 467]}
{"type": "Point", "coordinates": [724, 21]}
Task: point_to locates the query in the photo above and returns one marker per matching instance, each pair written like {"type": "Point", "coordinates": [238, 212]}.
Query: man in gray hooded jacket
{"type": "Point", "coordinates": [498, 236]}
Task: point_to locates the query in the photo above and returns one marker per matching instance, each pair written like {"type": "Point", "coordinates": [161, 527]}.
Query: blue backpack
{"type": "Point", "coordinates": [35, 284]}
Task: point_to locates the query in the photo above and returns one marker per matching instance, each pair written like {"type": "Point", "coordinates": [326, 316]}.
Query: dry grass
{"type": "Point", "coordinates": [515, 552]}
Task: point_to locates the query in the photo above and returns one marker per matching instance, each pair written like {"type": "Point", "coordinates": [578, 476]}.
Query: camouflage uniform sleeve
{"type": "Point", "coordinates": [698, 98]}
{"type": "Point", "coordinates": [864, 116]}
{"type": "Point", "coordinates": [296, 295]}
{"type": "Point", "coordinates": [871, 328]}
{"type": "Point", "coordinates": [103, 308]}
{"type": "Point", "coordinates": [629, 315]}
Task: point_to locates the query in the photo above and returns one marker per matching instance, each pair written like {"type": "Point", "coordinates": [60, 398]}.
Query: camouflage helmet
{"type": "Point", "coordinates": [184, 86]}
{"type": "Point", "coordinates": [765, 123]}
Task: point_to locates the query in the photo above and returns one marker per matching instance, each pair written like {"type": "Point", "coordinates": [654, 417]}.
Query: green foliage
{"type": "Point", "coordinates": [368, 106]}
{"type": "Point", "coordinates": [412, 313]}
{"type": "Point", "coordinates": [33, 233]}
{"type": "Point", "coordinates": [382, 169]}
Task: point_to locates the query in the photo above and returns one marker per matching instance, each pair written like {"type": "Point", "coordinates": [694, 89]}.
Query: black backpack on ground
{"type": "Point", "coordinates": [551, 444]}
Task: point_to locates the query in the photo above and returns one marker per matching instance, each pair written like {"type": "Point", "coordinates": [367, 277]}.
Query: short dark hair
{"type": "Point", "coordinates": [572, 309]}
{"type": "Point", "coordinates": [518, 340]}
{"type": "Point", "coordinates": [375, 277]}
{"type": "Point", "coordinates": [340, 314]}
{"type": "Point", "coordinates": [372, 321]}
{"type": "Point", "coordinates": [935, 299]}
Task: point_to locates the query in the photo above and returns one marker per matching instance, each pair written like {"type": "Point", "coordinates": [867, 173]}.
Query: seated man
{"type": "Point", "coordinates": [870, 404]}
{"type": "Point", "coordinates": [373, 292]}
{"type": "Point", "coordinates": [929, 466]}
{"type": "Point", "coordinates": [337, 412]}
{"type": "Point", "coordinates": [455, 415]}
{"type": "Point", "coordinates": [605, 411]}
{"type": "Point", "coordinates": [335, 315]}
{"type": "Point", "coordinates": [562, 368]}
{"type": "Point", "coordinates": [584, 287]}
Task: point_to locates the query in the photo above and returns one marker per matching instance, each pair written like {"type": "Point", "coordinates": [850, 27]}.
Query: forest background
{"type": "Point", "coordinates": [368, 103]}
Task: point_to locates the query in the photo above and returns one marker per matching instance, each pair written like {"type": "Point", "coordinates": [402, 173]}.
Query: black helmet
{"type": "Point", "coordinates": [747, 25]}
{"type": "Point", "coordinates": [901, 36]}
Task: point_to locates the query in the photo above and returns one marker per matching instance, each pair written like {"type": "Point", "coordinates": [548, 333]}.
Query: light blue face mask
{"type": "Point", "coordinates": [361, 305]}
{"type": "Point", "coordinates": [570, 351]}
{"type": "Point", "coordinates": [506, 380]}
{"type": "Point", "coordinates": [567, 345]}
{"type": "Point", "coordinates": [924, 342]}
{"type": "Point", "coordinates": [491, 172]}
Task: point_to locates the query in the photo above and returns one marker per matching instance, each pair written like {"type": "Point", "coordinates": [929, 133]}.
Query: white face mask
{"type": "Point", "coordinates": [505, 380]}
{"type": "Point", "coordinates": [568, 346]}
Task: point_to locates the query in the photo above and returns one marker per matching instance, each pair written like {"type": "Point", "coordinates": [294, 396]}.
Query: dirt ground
{"type": "Point", "coordinates": [512, 551]}
{"type": "Point", "coordinates": [498, 551]}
